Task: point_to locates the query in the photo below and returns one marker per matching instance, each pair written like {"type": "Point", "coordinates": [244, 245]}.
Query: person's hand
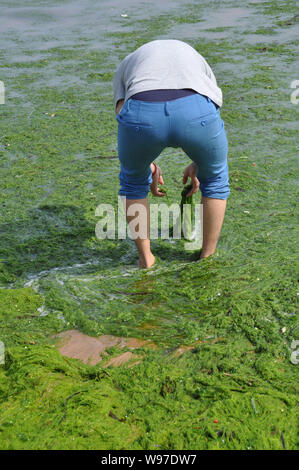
{"type": "Point", "coordinates": [191, 171]}
{"type": "Point", "coordinates": [157, 179]}
{"type": "Point", "coordinates": [119, 105]}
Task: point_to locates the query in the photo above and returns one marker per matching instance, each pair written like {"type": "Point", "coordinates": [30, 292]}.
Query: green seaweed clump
{"type": "Point", "coordinates": [187, 212]}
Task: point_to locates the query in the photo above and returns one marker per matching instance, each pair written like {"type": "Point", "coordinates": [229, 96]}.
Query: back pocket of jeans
{"type": "Point", "coordinates": [137, 126]}
{"type": "Point", "coordinates": [204, 120]}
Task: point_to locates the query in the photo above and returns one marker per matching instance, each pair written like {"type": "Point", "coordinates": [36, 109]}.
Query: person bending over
{"type": "Point", "coordinates": [166, 95]}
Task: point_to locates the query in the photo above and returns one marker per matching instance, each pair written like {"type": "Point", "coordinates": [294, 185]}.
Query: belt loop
{"type": "Point", "coordinates": [128, 105]}
{"type": "Point", "coordinates": [166, 109]}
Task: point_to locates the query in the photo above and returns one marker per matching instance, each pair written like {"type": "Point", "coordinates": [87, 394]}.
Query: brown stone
{"type": "Point", "coordinates": [121, 359]}
{"type": "Point", "coordinates": [91, 350]}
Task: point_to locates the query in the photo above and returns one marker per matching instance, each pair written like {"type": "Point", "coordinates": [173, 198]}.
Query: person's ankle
{"type": "Point", "coordinates": [146, 262]}
{"type": "Point", "coordinates": [206, 254]}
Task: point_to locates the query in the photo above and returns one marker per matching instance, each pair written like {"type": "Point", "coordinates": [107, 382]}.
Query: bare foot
{"type": "Point", "coordinates": [205, 255]}
{"type": "Point", "coordinates": [148, 263]}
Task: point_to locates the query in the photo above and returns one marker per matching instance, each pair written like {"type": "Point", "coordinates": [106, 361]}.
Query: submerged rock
{"type": "Point", "coordinates": [88, 349]}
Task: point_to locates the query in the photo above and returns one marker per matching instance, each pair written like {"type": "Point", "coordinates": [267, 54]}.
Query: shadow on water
{"type": "Point", "coordinates": [58, 237]}
{"type": "Point", "coordinates": [173, 250]}
{"type": "Point", "coordinates": [53, 237]}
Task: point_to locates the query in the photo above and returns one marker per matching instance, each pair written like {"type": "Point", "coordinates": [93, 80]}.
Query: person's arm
{"type": "Point", "coordinates": [119, 105]}
{"type": "Point", "coordinates": [118, 88]}
{"type": "Point", "coordinates": [157, 179]}
{"type": "Point", "coordinates": [191, 171]}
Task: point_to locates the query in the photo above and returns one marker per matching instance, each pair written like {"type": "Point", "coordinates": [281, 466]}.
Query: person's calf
{"type": "Point", "coordinates": [140, 229]}
{"type": "Point", "coordinates": [213, 215]}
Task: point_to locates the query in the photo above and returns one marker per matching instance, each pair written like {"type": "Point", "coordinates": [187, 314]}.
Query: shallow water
{"type": "Point", "coordinates": [230, 319]}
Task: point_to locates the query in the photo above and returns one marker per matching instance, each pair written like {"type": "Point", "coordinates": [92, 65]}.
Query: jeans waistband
{"type": "Point", "coordinates": [163, 94]}
{"type": "Point", "coordinates": [196, 98]}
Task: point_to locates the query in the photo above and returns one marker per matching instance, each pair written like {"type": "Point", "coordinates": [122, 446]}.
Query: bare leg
{"type": "Point", "coordinates": [146, 258]}
{"type": "Point", "coordinates": [213, 215]}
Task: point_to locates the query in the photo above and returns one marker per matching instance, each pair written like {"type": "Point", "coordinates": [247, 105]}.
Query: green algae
{"type": "Point", "coordinates": [187, 212]}
{"type": "Point", "coordinates": [151, 402]}
{"type": "Point", "coordinates": [17, 302]}
{"type": "Point", "coordinates": [236, 309]}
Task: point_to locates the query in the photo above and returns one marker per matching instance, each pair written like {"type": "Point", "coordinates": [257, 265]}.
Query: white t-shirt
{"type": "Point", "coordinates": [168, 64]}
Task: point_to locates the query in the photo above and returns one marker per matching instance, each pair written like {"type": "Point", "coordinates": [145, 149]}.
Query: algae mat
{"type": "Point", "coordinates": [224, 372]}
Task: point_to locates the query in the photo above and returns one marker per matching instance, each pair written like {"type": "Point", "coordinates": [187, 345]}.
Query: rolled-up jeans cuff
{"type": "Point", "coordinates": [216, 187]}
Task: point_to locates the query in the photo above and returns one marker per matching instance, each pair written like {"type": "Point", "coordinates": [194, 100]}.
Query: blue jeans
{"type": "Point", "coordinates": [192, 123]}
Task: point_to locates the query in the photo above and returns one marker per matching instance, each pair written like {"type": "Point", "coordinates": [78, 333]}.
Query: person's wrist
{"type": "Point", "coordinates": [155, 169]}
